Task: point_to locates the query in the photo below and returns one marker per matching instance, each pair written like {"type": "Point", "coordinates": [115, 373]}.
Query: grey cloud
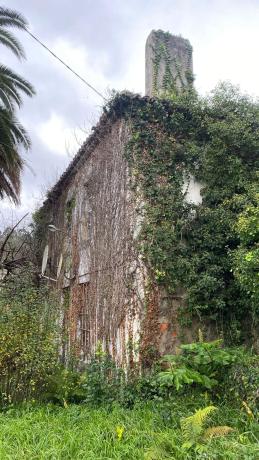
{"type": "Point", "coordinates": [102, 25]}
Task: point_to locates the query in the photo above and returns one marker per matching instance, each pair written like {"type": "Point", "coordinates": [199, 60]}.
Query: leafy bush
{"type": "Point", "coordinates": [139, 388]}
{"type": "Point", "coordinates": [64, 386]}
{"type": "Point", "coordinates": [200, 247]}
{"type": "Point", "coordinates": [246, 256]}
{"type": "Point", "coordinates": [242, 384]}
{"type": "Point", "coordinates": [199, 363]}
{"type": "Point", "coordinates": [101, 383]}
{"type": "Point", "coordinates": [28, 339]}
{"type": "Point", "coordinates": [103, 380]}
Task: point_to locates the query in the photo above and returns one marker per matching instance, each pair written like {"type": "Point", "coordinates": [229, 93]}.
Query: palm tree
{"type": "Point", "coordinates": [12, 134]}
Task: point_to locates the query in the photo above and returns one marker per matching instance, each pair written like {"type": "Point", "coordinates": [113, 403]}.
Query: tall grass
{"type": "Point", "coordinates": [150, 431]}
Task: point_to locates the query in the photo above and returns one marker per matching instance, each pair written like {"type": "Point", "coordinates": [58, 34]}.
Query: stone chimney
{"type": "Point", "coordinates": [168, 63]}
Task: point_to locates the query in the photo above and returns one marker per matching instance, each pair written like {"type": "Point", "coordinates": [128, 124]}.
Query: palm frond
{"type": "Point", "coordinates": [12, 87]}
{"type": "Point", "coordinates": [9, 91]}
{"type": "Point", "coordinates": [10, 41]}
{"type": "Point", "coordinates": [12, 137]}
{"type": "Point", "coordinates": [11, 131]}
{"type": "Point", "coordinates": [18, 81]}
{"type": "Point", "coordinates": [9, 189]}
{"type": "Point", "coordinates": [12, 18]}
{"type": "Point", "coordinates": [11, 84]}
{"type": "Point", "coordinates": [6, 100]}
{"type": "Point", "coordinates": [20, 135]}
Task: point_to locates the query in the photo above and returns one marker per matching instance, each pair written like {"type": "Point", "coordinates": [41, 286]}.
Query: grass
{"type": "Point", "coordinates": [151, 431]}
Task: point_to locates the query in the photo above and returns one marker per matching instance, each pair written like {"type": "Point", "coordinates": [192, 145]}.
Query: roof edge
{"type": "Point", "coordinates": [121, 105]}
{"type": "Point", "coordinates": [115, 109]}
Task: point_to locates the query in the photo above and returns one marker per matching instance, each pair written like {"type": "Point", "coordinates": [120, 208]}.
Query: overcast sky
{"type": "Point", "coordinates": [104, 41]}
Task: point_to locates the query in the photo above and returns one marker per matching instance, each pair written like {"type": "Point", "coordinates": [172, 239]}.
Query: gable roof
{"type": "Point", "coordinates": [111, 113]}
{"type": "Point", "coordinates": [122, 105]}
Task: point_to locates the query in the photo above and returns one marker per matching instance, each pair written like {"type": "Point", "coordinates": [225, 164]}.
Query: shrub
{"type": "Point", "coordinates": [28, 338]}
{"type": "Point", "coordinates": [103, 380]}
{"type": "Point", "coordinates": [64, 386]}
{"type": "Point", "coordinates": [139, 388]}
{"type": "Point", "coordinates": [199, 363]}
{"type": "Point", "coordinates": [242, 384]}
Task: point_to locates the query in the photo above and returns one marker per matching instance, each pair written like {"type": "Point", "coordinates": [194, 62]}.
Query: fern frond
{"type": "Point", "coordinates": [155, 453]}
{"type": "Point", "coordinates": [192, 426]}
{"type": "Point", "coordinates": [217, 431]}
{"type": "Point", "coordinates": [199, 417]}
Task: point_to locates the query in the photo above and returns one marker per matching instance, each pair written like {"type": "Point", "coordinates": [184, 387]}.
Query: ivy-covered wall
{"type": "Point", "coordinates": [200, 248]}
{"type": "Point", "coordinates": [145, 266]}
{"type": "Point", "coordinates": [100, 282]}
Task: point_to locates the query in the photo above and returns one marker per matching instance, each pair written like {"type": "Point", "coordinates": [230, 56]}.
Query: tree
{"type": "Point", "coordinates": [12, 87]}
{"type": "Point", "coordinates": [16, 250]}
{"type": "Point", "coordinates": [12, 136]}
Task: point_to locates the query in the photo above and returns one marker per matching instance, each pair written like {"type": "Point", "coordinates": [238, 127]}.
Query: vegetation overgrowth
{"type": "Point", "coordinates": [150, 430]}
{"type": "Point", "coordinates": [193, 409]}
{"type": "Point", "coordinates": [29, 338]}
{"type": "Point", "coordinates": [201, 403]}
{"type": "Point", "coordinates": [209, 248]}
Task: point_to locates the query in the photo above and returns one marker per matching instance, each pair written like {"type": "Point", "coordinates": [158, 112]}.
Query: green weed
{"type": "Point", "coordinates": [150, 431]}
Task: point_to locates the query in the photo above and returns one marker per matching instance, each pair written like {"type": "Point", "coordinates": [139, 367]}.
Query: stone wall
{"type": "Point", "coordinates": [102, 278]}
{"type": "Point", "coordinates": [108, 293]}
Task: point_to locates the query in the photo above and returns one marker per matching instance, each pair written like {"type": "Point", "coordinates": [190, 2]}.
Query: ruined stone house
{"type": "Point", "coordinates": [95, 221]}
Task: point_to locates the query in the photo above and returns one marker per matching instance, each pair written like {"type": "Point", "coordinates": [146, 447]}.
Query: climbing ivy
{"type": "Point", "coordinates": [41, 219]}
{"type": "Point", "coordinates": [246, 256]}
{"type": "Point", "coordinates": [161, 54]}
{"type": "Point", "coordinates": [216, 141]}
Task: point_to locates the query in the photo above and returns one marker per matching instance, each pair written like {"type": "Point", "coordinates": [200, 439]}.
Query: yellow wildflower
{"type": "Point", "coordinates": [120, 431]}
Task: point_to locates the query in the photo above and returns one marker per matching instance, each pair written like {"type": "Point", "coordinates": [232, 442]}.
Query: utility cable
{"type": "Point", "coordinates": [66, 65]}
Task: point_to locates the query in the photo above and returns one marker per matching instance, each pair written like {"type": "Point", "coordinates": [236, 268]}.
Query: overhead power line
{"type": "Point", "coordinates": [66, 65]}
